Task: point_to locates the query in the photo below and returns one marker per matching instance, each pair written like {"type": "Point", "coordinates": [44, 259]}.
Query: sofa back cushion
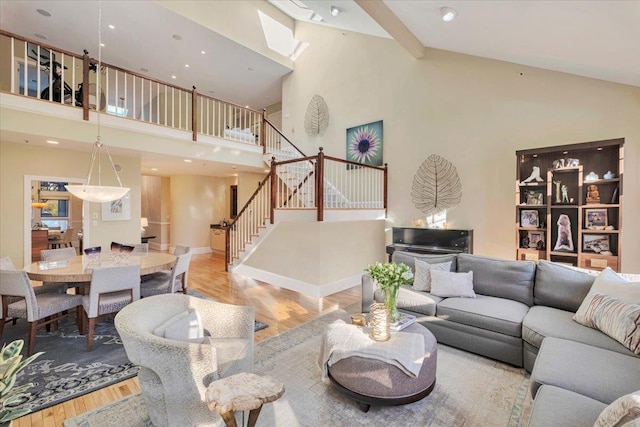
{"type": "Point", "coordinates": [409, 258]}
{"type": "Point", "coordinates": [560, 287]}
{"type": "Point", "coordinates": [499, 277]}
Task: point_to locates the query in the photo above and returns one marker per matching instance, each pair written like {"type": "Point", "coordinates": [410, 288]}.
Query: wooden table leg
{"type": "Point", "coordinates": [253, 416]}
{"type": "Point", "coordinates": [229, 419]}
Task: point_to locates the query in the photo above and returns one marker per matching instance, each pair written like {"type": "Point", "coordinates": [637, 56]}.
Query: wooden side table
{"type": "Point", "coordinates": [242, 392]}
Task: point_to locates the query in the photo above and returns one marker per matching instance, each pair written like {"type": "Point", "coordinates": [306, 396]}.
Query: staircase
{"type": "Point", "coordinates": [304, 188]}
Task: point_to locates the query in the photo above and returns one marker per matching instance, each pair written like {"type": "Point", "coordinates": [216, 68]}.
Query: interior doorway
{"type": "Point", "coordinates": [47, 205]}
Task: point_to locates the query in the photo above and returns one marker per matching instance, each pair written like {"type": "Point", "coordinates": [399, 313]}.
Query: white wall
{"type": "Point", "coordinates": [475, 112]}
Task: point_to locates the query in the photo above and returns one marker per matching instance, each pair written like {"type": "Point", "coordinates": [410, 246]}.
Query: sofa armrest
{"type": "Point", "coordinates": [367, 292]}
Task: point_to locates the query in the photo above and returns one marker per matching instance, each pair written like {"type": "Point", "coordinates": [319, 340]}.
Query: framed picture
{"type": "Point", "coordinates": [118, 210]}
{"type": "Point", "coordinates": [596, 219]}
{"type": "Point", "coordinates": [534, 198]}
{"type": "Point", "coordinates": [595, 243]}
{"type": "Point", "coordinates": [536, 239]}
{"type": "Point", "coordinates": [529, 218]}
{"type": "Point", "coordinates": [364, 144]}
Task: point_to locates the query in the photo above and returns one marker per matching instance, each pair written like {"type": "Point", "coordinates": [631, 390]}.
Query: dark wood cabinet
{"type": "Point", "coordinates": [569, 198]}
{"type": "Point", "coordinates": [39, 241]}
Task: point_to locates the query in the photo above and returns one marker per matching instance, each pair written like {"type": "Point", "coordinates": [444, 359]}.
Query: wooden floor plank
{"type": "Point", "coordinates": [281, 309]}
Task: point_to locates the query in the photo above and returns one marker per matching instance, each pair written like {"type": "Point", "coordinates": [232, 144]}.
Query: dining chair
{"type": "Point", "coordinates": [140, 248]}
{"type": "Point", "coordinates": [181, 249]}
{"type": "Point", "coordinates": [175, 281]}
{"type": "Point", "coordinates": [112, 288]}
{"type": "Point", "coordinates": [61, 254]}
{"type": "Point", "coordinates": [39, 309]}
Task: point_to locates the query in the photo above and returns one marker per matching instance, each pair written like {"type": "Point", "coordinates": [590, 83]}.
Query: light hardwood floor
{"type": "Point", "coordinates": [280, 308]}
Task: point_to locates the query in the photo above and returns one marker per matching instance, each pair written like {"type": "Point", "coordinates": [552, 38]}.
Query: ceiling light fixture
{"type": "Point", "coordinates": [98, 193]}
{"type": "Point", "coordinates": [188, 160]}
{"type": "Point", "coordinates": [51, 141]}
{"type": "Point", "coordinates": [448, 14]}
{"type": "Point", "coordinates": [173, 77]}
{"type": "Point", "coordinates": [112, 27]}
{"type": "Point", "coordinates": [335, 11]}
{"type": "Point", "coordinates": [186, 65]}
{"type": "Point", "coordinates": [154, 169]}
{"type": "Point", "coordinates": [202, 52]}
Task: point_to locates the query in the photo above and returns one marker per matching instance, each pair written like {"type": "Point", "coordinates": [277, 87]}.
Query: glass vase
{"type": "Point", "coordinates": [390, 301]}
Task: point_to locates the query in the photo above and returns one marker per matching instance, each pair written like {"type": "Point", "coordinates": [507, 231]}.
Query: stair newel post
{"type": "Point", "coordinates": [263, 131]}
{"type": "Point", "coordinates": [86, 61]}
{"type": "Point", "coordinates": [274, 188]}
{"type": "Point", "coordinates": [384, 195]}
{"type": "Point", "coordinates": [194, 113]}
{"type": "Point", "coordinates": [320, 185]}
{"type": "Point", "coordinates": [227, 247]}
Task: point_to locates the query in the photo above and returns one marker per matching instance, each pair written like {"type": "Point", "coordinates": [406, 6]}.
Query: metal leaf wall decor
{"type": "Point", "coordinates": [316, 119]}
{"type": "Point", "coordinates": [436, 186]}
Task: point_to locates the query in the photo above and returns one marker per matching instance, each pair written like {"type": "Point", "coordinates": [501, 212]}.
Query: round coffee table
{"type": "Point", "coordinates": [373, 382]}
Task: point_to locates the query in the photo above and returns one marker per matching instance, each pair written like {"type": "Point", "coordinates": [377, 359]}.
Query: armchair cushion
{"type": "Point", "coordinates": [184, 326]}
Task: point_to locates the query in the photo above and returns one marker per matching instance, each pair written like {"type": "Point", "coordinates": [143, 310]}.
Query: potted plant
{"type": "Point", "coordinates": [10, 364]}
{"type": "Point", "coordinates": [390, 276]}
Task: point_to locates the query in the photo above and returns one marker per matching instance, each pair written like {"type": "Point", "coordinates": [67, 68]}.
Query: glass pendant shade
{"type": "Point", "coordinates": [97, 193]}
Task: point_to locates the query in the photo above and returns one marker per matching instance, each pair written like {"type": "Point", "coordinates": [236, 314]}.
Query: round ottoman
{"type": "Point", "coordinates": [372, 382]}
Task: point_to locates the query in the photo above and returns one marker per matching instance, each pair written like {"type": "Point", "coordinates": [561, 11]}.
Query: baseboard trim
{"type": "Point", "coordinates": [159, 246]}
{"type": "Point", "coordinates": [300, 286]}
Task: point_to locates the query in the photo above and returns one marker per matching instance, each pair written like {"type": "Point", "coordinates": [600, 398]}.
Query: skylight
{"type": "Point", "coordinates": [280, 38]}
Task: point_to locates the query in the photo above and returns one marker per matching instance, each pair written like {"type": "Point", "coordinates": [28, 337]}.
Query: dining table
{"type": "Point", "coordinates": [80, 267]}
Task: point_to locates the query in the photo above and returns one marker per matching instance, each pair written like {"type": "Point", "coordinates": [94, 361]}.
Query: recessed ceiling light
{"type": "Point", "coordinates": [177, 37]}
{"type": "Point", "coordinates": [51, 141]}
{"type": "Point", "coordinates": [187, 160]}
{"type": "Point", "coordinates": [448, 14]}
{"type": "Point", "coordinates": [233, 167]}
{"type": "Point", "coordinates": [565, 152]}
{"type": "Point", "coordinates": [335, 11]}
{"type": "Point", "coordinates": [202, 52]}
{"type": "Point", "coordinates": [113, 27]}
{"type": "Point", "coordinates": [173, 77]}
{"type": "Point", "coordinates": [599, 148]}
{"type": "Point", "coordinates": [145, 70]}
{"type": "Point", "coordinates": [43, 12]}
{"type": "Point", "coordinates": [186, 65]}
{"type": "Point", "coordinates": [250, 69]}
{"type": "Point", "coordinates": [246, 106]}
{"type": "Point", "coordinates": [102, 44]}
{"type": "Point", "coordinates": [535, 155]}
{"type": "Point", "coordinates": [41, 36]}
{"type": "Point", "coordinates": [154, 169]}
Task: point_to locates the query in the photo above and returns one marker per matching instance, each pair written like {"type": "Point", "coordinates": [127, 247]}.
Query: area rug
{"type": "Point", "coordinates": [470, 391]}
{"type": "Point", "coordinates": [66, 370]}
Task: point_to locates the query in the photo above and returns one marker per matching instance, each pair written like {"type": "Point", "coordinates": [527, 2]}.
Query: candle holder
{"type": "Point", "coordinates": [359, 319]}
{"type": "Point", "coordinates": [379, 326]}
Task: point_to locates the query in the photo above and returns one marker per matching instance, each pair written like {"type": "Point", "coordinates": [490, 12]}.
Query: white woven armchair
{"type": "Point", "coordinates": [174, 375]}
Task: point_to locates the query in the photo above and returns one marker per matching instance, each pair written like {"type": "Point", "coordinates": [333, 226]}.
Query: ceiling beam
{"type": "Point", "coordinates": [393, 25]}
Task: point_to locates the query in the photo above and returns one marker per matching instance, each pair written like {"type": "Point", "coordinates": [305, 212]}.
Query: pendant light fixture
{"type": "Point", "coordinates": [98, 193]}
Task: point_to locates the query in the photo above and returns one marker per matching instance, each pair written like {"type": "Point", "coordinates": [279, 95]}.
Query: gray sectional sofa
{"type": "Point", "coordinates": [524, 311]}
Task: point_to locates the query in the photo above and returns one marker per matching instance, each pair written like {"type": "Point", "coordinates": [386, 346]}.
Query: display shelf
{"type": "Point", "coordinates": [568, 183]}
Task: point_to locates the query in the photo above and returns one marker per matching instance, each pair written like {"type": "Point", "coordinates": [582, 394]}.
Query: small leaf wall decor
{"type": "Point", "coordinates": [316, 119]}
{"type": "Point", "coordinates": [436, 186]}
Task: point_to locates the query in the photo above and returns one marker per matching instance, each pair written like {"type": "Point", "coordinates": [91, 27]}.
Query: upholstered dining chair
{"type": "Point", "coordinates": [112, 288]}
{"type": "Point", "coordinates": [163, 283]}
{"type": "Point", "coordinates": [39, 309]}
{"type": "Point", "coordinates": [140, 248]}
{"type": "Point", "coordinates": [61, 254]}
{"type": "Point", "coordinates": [174, 375]}
{"type": "Point", "coordinates": [181, 249]}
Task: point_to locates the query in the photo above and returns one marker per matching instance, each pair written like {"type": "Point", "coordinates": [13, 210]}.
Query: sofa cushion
{"type": "Point", "coordinates": [500, 278]}
{"type": "Point", "coordinates": [541, 322]}
{"type": "Point", "coordinates": [559, 286]}
{"type": "Point", "coordinates": [411, 300]}
{"type": "Point", "coordinates": [623, 410]}
{"type": "Point", "coordinates": [594, 372]}
{"type": "Point", "coordinates": [409, 258]}
{"type": "Point", "coordinates": [449, 284]}
{"type": "Point", "coordinates": [495, 314]}
{"type": "Point", "coordinates": [558, 407]}
{"type": "Point", "coordinates": [422, 275]}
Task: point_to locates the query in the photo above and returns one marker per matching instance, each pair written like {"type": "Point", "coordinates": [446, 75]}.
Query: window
{"type": "Point", "coordinates": [56, 208]}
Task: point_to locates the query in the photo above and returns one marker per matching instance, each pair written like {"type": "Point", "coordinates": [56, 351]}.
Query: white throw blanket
{"type": "Point", "coordinates": [404, 350]}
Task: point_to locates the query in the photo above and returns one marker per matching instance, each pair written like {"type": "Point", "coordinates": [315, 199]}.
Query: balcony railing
{"type": "Point", "coordinates": [51, 74]}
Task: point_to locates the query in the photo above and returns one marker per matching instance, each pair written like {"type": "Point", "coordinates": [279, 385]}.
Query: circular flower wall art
{"type": "Point", "coordinates": [364, 144]}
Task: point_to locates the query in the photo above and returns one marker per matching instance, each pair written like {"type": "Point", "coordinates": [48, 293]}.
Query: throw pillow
{"type": "Point", "coordinates": [622, 411]}
{"type": "Point", "coordinates": [422, 277]}
{"type": "Point", "coordinates": [613, 317]}
{"type": "Point", "coordinates": [185, 326]}
{"type": "Point", "coordinates": [610, 283]}
{"type": "Point", "coordinates": [448, 284]}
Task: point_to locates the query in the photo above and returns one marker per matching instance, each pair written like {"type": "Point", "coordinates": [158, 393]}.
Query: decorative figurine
{"type": "Point", "coordinates": [534, 197]}
{"type": "Point", "coordinates": [558, 183]}
{"type": "Point", "coordinates": [593, 195]}
{"type": "Point", "coordinates": [565, 194]}
{"type": "Point", "coordinates": [558, 164]}
{"type": "Point", "coordinates": [540, 245]}
{"type": "Point", "coordinates": [609, 175]}
{"type": "Point", "coordinates": [524, 243]}
{"type": "Point", "coordinates": [535, 175]}
{"type": "Point", "coordinates": [591, 176]}
{"type": "Point", "coordinates": [573, 163]}
{"type": "Point", "coordinates": [564, 241]}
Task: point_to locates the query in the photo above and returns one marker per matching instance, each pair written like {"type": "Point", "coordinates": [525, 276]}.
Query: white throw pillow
{"type": "Point", "coordinates": [185, 326]}
{"type": "Point", "coordinates": [422, 277]}
{"type": "Point", "coordinates": [610, 283]}
{"type": "Point", "coordinates": [447, 284]}
{"type": "Point", "coordinates": [623, 410]}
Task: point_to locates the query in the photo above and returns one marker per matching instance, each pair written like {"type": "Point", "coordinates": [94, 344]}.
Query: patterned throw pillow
{"type": "Point", "coordinates": [422, 276]}
{"type": "Point", "coordinates": [622, 412]}
{"type": "Point", "coordinates": [446, 284]}
{"type": "Point", "coordinates": [614, 317]}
